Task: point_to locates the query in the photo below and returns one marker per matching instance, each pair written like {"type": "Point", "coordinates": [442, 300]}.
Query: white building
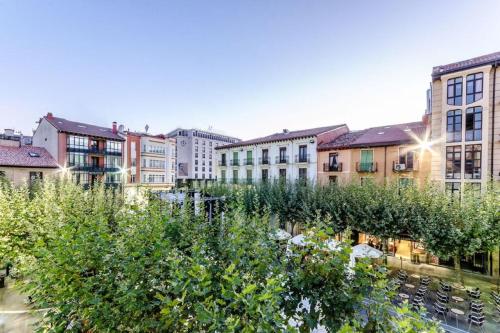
{"type": "Point", "coordinates": [196, 153]}
{"type": "Point", "coordinates": [289, 155]}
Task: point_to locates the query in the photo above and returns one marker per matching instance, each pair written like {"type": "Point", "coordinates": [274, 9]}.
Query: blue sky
{"type": "Point", "coordinates": [246, 68]}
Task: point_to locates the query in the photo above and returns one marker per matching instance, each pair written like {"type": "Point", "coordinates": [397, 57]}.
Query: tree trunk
{"type": "Point", "coordinates": [458, 269]}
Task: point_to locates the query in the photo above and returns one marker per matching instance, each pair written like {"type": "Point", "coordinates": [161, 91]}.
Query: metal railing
{"type": "Point", "coordinates": [366, 166]}
{"type": "Point", "coordinates": [402, 167]}
{"type": "Point", "coordinates": [302, 158]}
{"type": "Point", "coordinates": [327, 167]}
{"type": "Point", "coordinates": [248, 161]}
{"type": "Point", "coordinates": [282, 159]}
{"type": "Point", "coordinates": [235, 162]}
{"type": "Point", "coordinates": [264, 160]}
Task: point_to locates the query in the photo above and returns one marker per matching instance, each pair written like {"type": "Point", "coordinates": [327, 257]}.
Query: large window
{"type": "Point", "coordinates": [79, 142]}
{"type": "Point", "coordinates": [472, 189]}
{"type": "Point", "coordinates": [80, 177]}
{"type": "Point", "coordinates": [453, 162]}
{"type": "Point", "coordinates": [454, 126]}
{"type": "Point", "coordinates": [474, 87]}
{"type": "Point", "coordinates": [235, 176]}
{"type": "Point", "coordinates": [265, 175]}
{"type": "Point", "coordinates": [303, 174]}
{"type": "Point", "coordinates": [249, 176]}
{"type": "Point", "coordinates": [303, 153]}
{"type": "Point", "coordinates": [366, 163]}
{"type": "Point", "coordinates": [113, 146]}
{"type": "Point", "coordinates": [406, 157]}
{"type": "Point", "coordinates": [282, 174]}
{"type": "Point", "coordinates": [265, 156]}
{"type": "Point", "coordinates": [223, 176]}
{"type": "Point", "coordinates": [282, 157]}
{"type": "Point", "coordinates": [473, 123]}
{"type": "Point", "coordinates": [113, 161]}
{"type": "Point", "coordinates": [77, 159]}
{"type": "Point", "coordinates": [333, 162]}
{"type": "Point", "coordinates": [453, 188]}
{"type": "Point", "coordinates": [455, 91]}
{"type": "Point", "coordinates": [472, 162]}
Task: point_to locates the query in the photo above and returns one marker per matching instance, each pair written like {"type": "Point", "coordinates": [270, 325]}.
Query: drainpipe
{"type": "Point", "coordinates": [385, 164]}
{"type": "Point", "coordinates": [493, 117]}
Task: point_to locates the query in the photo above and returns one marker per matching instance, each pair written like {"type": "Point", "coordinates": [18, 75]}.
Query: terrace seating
{"type": "Point", "coordinates": [446, 287]}
{"type": "Point", "coordinates": [442, 297]}
{"type": "Point", "coordinates": [475, 293]}
{"type": "Point", "coordinates": [425, 280]}
{"type": "Point", "coordinates": [476, 306]}
{"type": "Point", "coordinates": [476, 319]}
{"type": "Point", "coordinates": [496, 297]}
{"type": "Point", "coordinates": [417, 303]}
{"type": "Point", "coordinates": [441, 309]}
{"type": "Point", "coordinates": [403, 276]}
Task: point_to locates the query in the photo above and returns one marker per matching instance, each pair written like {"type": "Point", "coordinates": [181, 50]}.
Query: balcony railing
{"type": "Point", "coordinates": [404, 167]}
{"type": "Point", "coordinates": [302, 158]}
{"type": "Point", "coordinates": [235, 162]}
{"type": "Point", "coordinates": [223, 163]}
{"type": "Point", "coordinates": [248, 161]}
{"type": "Point", "coordinates": [327, 167]}
{"type": "Point", "coordinates": [94, 168]}
{"type": "Point", "coordinates": [264, 161]}
{"type": "Point", "coordinates": [96, 151]}
{"type": "Point", "coordinates": [112, 152]}
{"type": "Point", "coordinates": [282, 159]}
{"type": "Point", "coordinates": [366, 167]}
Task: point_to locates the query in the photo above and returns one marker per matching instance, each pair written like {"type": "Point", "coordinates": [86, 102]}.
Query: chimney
{"type": "Point", "coordinates": [285, 130]}
{"type": "Point", "coordinates": [114, 128]}
{"type": "Point", "coordinates": [426, 119]}
{"type": "Point", "coordinates": [50, 115]}
{"type": "Point", "coordinates": [9, 132]}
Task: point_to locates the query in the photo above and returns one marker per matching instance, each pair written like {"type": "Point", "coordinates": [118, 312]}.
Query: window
{"type": "Point", "coordinates": [333, 162]}
{"type": "Point", "coordinates": [80, 177]}
{"type": "Point", "coordinates": [366, 164]}
{"type": "Point", "coordinates": [113, 147]}
{"type": "Point", "coordinates": [113, 161]}
{"type": "Point", "coordinates": [303, 174]}
{"type": "Point", "coordinates": [474, 87]}
{"type": "Point", "coordinates": [453, 162]}
{"type": "Point", "coordinates": [265, 175]}
{"type": "Point", "coordinates": [249, 176]}
{"type": "Point", "coordinates": [303, 153]}
{"type": "Point", "coordinates": [223, 159]}
{"type": "Point", "coordinates": [249, 160]}
{"type": "Point", "coordinates": [332, 179]}
{"type": "Point", "coordinates": [113, 178]}
{"type": "Point", "coordinates": [235, 176]}
{"type": "Point", "coordinates": [282, 157]}
{"type": "Point", "coordinates": [472, 189]}
{"type": "Point", "coordinates": [454, 126]}
{"type": "Point", "coordinates": [405, 182]}
{"type": "Point", "coordinates": [132, 178]}
{"type": "Point", "coordinates": [282, 174]}
{"type": "Point", "coordinates": [235, 158]}
{"type": "Point", "coordinates": [453, 188]}
{"type": "Point", "coordinates": [472, 162]}
{"type": "Point", "coordinates": [473, 123]}
{"type": "Point", "coordinates": [455, 91]}
{"type": "Point", "coordinates": [78, 142]}
{"type": "Point", "coordinates": [223, 175]}
{"type": "Point", "coordinates": [77, 159]}
{"type": "Point", "coordinates": [406, 157]}
{"type": "Point", "coordinates": [265, 156]}
{"type": "Point", "coordinates": [35, 176]}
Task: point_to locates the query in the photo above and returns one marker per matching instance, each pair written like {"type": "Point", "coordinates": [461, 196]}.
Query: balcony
{"type": "Point", "coordinates": [235, 162]}
{"type": "Point", "coordinates": [113, 152]}
{"type": "Point", "coordinates": [302, 158]}
{"type": "Point", "coordinates": [366, 167]}
{"type": "Point", "coordinates": [223, 163]}
{"type": "Point", "coordinates": [94, 168]}
{"type": "Point", "coordinates": [264, 161]}
{"type": "Point", "coordinates": [281, 159]}
{"type": "Point", "coordinates": [248, 161]}
{"type": "Point", "coordinates": [96, 151]}
{"type": "Point", "coordinates": [404, 167]}
{"type": "Point", "coordinates": [327, 167]}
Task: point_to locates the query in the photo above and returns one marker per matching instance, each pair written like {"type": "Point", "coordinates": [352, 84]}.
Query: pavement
{"type": "Point", "coordinates": [15, 315]}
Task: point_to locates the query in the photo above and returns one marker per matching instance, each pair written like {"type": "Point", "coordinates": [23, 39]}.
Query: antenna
{"type": "Point", "coordinates": [146, 128]}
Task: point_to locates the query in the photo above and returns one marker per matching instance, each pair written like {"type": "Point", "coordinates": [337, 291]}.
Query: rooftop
{"type": "Point", "coordinates": [285, 135]}
{"type": "Point", "coordinates": [26, 156]}
{"type": "Point", "coordinates": [378, 136]}
{"type": "Point", "coordinates": [465, 64]}
{"type": "Point", "coordinates": [74, 127]}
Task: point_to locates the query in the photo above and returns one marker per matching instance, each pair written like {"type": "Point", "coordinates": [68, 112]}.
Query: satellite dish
{"type": "Point", "coordinates": [146, 128]}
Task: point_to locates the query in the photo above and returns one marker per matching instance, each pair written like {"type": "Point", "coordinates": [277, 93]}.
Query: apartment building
{"type": "Point", "coordinates": [196, 159]}
{"type": "Point", "coordinates": [150, 161]}
{"type": "Point", "coordinates": [465, 124]}
{"type": "Point", "coordinates": [14, 138]}
{"type": "Point", "coordinates": [380, 154]}
{"type": "Point", "coordinates": [289, 155]}
{"type": "Point", "coordinates": [88, 153]}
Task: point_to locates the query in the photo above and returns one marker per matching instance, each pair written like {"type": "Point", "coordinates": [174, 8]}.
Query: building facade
{"type": "Point", "coordinates": [88, 153]}
{"type": "Point", "coordinates": [196, 156]}
{"type": "Point", "coordinates": [380, 154]}
{"type": "Point", "coordinates": [26, 164]}
{"type": "Point", "coordinates": [150, 161]}
{"type": "Point", "coordinates": [290, 155]}
{"type": "Point", "coordinates": [465, 123]}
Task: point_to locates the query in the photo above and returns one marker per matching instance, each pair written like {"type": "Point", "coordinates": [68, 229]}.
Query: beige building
{"type": "Point", "coordinates": [380, 154]}
{"type": "Point", "coordinates": [26, 164]}
{"type": "Point", "coordinates": [465, 123]}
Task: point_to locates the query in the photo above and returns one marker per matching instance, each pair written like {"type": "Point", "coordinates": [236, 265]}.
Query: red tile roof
{"type": "Point", "coordinates": [465, 64]}
{"type": "Point", "coordinates": [389, 135]}
{"type": "Point", "coordinates": [74, 127]}
{"type": "Point", "coordinates": [26, 156]}
{"type": "Point", "coordinates": [283, 136]}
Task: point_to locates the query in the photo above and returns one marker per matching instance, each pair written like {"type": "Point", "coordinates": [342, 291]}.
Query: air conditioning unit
{"type": "Point", "coordinates": [400, 167]}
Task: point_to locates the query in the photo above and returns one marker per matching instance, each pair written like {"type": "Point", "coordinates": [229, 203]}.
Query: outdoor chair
{"type": "Point", "coordinates": [425, 280]}
{"type": "Point", "coordinates": [441, 309]}
{"type": "Point", "coordinates": [442, 297]}
{"type": "Point", "coordinates": [417, 303]}
{"type": "Point", "coordinates": [476, 307]}
{"type": "Point", "coordinates": [444, 286]}
{"type": "Point", "coordinates": [476, 319]}
{"type": "Point", "coordinates": [476, 293]}
{"type": "Point", "coordinates": [496, 297]}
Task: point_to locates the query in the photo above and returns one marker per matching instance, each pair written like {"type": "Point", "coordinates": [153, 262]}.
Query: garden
{"type": "Point", "coordinates": [99, 264]}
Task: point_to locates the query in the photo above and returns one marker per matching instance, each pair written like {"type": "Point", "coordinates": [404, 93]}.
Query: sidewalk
{"type": "Point", "coordinates": [15, 316]}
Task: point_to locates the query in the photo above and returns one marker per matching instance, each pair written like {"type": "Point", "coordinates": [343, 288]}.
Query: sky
{"type": "Point", "coordinates": [245, 68]}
